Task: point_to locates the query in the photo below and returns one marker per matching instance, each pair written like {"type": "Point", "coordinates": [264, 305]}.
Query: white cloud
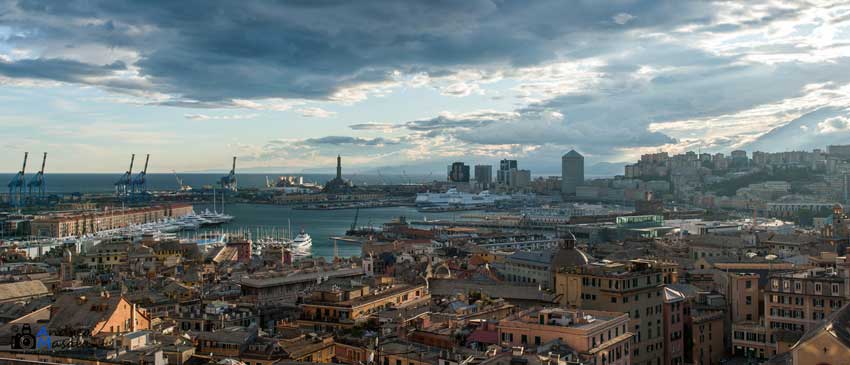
{"type": "Point", "coordinates": [219, 117]}
{"type": "Point", "coordinates": [315, 112]}
{"type": "Point", "coordinates": [273, 104]}
{"type": "Point", "coordinates": [622, 18]}
{"type": "Point", "coordinates": [834, 124]}
{"type": "Point", "coordinates": [461, 89]}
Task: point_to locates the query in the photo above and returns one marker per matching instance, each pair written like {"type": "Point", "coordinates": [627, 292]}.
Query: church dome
{"type": "Point", "coordinates": [568, 256]}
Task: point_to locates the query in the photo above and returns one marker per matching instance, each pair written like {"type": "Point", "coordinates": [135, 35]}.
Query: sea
{"type": "Point", "coordinates": [273, 220]}
{"type": "Point", "coordinates": [67, 183]}
{"type": "Point", "coordinates": [263, 219]}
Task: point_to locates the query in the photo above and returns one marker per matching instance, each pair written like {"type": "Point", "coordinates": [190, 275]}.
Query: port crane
{"type": "Point", "coordinates": [139, 184]}
{"type": "Point", "coordinates": [228, 182]}
{"type": "Point", "coordinates": [356, 215]}
{"type": "Point", "coordinates": [37, 184]}
{"type": "Point", "coordinates": [123, 185]}
{"type": "Point", "coordinates": [180, 185]}
{"type": "Point", "coordinates": [16, 185]}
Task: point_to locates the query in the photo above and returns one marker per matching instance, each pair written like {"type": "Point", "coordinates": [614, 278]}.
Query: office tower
{"type": "Point", "coordinates": [459, 172]}
{"type": "Point", "coordinates": [504, 167]}
{"type": "Point", "coordinates": [572, 172]}
{"type": "Point", "coordinates": [484, 176]}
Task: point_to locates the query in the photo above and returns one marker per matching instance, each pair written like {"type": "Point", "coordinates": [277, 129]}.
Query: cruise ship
{"type": "Point", "coordinates": [455, 199]}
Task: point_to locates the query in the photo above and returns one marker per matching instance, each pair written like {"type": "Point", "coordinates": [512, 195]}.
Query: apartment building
{"type": "Point", "coordinates": [674, 327]}
{"type": "Point", "coordinates": [599, 337]}
{"type": "Point", "coordinates": [796, 302]}
{"type": "Point", "coordinates": [636, 287]}
{"type": "Point", "coordinates": [340, 303]}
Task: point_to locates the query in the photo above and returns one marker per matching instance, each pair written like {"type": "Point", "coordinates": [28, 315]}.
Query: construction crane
{"type": "Point", "coordinates": [36, 183]}
{"type": "Point", "coordinates": [356, 215]}
{"type": "Point", "coordinates": [139, 184]}
{"type": "Point", "coordinates": [122, 186]}
{"type": "Point", "coordinates": [383, 182]}
{"type": "Point", "coordinates": [16, 185]}
{"type": "Point", "coordinates": [180, 185]}
{"type": "Point", "coordinates": [228, 182]}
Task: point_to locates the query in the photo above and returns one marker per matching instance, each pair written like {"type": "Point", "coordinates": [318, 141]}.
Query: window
{"type": "Point", "coordinates": [834, 290]}
{"type": "Point", "coordinates": [749, 284]}
{"type": "Point", "coordinates": [749, 299]}
{"type": "Point", "coordinates": [613, 299]}
{"type": "Point", "coordinates": [818, 288]}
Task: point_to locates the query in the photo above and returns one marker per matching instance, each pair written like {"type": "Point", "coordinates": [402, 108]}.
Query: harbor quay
{"type": "Point", "coordinates": [79, 223]}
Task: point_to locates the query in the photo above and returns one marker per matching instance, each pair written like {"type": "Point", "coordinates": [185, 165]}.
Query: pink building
{"type": "Point", "coordinates": [674, 327]}
{"type": "Point", "coordinates": [596, 336]}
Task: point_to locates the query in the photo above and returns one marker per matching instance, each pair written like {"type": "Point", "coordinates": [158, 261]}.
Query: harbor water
{"type": "Point", "coordinates": [321, 225]}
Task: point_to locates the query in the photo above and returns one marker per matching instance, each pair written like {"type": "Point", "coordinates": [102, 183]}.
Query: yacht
{"type": "Point", "coordinates": [302, 242]}
{"type": "Point", "coordinates": [215, 218]}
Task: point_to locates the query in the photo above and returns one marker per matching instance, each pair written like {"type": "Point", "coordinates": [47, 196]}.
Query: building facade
{"type": "Point", "coordinates": [599, 337]}
{"type": "Point", "coordinates": [89, 222]}
{"type": "Point", "coordinates": [639, 287]}
{"type": "Point", "coordinates": [572, 172]}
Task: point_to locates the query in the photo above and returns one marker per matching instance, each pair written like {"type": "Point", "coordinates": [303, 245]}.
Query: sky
{"type": "Point", "coordinates": [414, 85]}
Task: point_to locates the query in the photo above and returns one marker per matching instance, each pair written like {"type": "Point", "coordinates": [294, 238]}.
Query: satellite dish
{"type": "Point", "coordinates": [771, 257]}
{"type": "Point", "coordinates": [751, 254]}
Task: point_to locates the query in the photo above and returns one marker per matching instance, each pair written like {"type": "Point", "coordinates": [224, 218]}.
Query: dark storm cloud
{"type": "Point", "coordinates": [220, 50]}
{"type": "Point", "coordinates": [57, 69]}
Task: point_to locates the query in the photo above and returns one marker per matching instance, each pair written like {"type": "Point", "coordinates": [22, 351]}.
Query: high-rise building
{"type": "Point", "coordinates": [740, 159]}
{"type": "Point", "coordinates": [459, 172]}
{"type": "Point", "coordinates": [572, 172]}
{"type": "Point", "coordinates": [518, 179]}
{"type": "Point", "coordinates": [504, 167]}
{"type": "Point", "coordinates": [841, 152]}
{"type": "Point", "coordinates": [483, 176]}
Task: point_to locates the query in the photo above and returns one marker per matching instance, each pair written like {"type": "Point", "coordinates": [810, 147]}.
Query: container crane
{"type": "Point", "coordinates": [122, 186]}
{"type": "Point", "coordinates": [16, 185]}
{"type": "Point", "coordinates": [139, 184]}
{"type": "Point", "coordinates": [228, 182]}
{"type": "Point", "coordinates": [180, 185]}
{"type": "Point", "coordinates": [37, 184]}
